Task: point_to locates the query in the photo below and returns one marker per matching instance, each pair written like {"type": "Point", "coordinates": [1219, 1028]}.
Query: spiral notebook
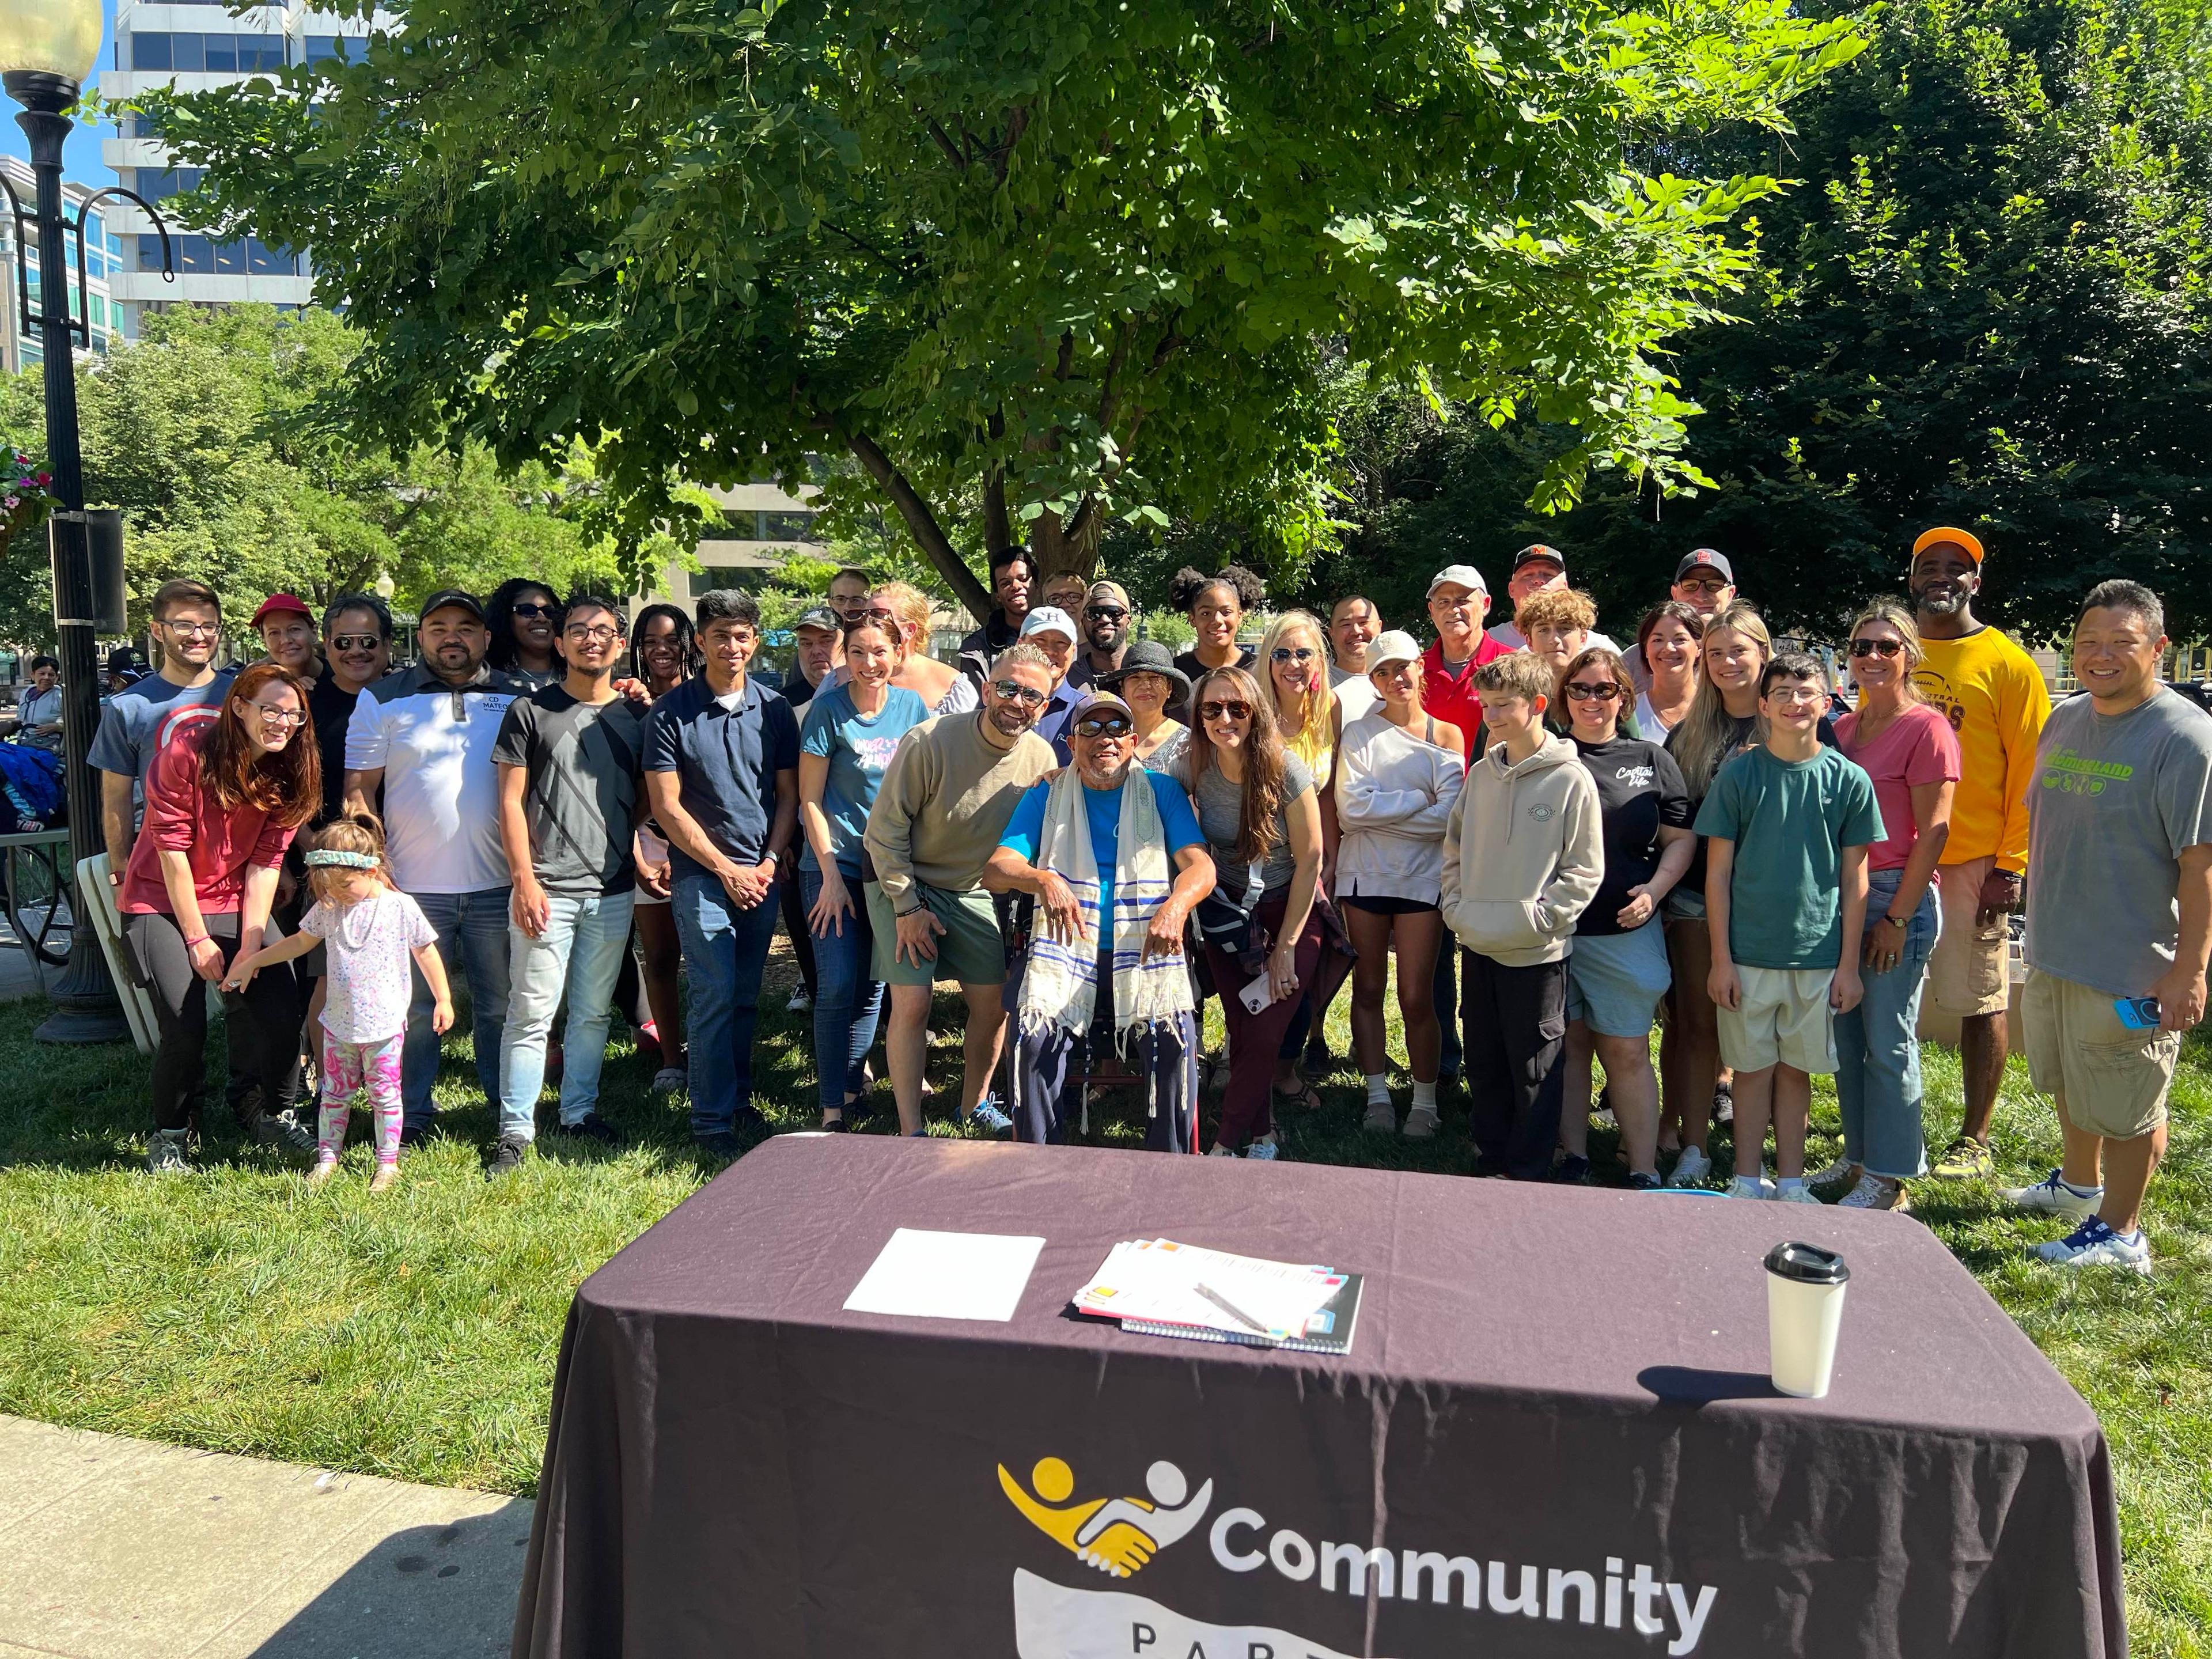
{"type": "Point", "coordinates": [1163, 1287]}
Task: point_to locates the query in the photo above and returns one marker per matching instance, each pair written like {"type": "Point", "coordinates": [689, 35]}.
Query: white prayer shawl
{"type": "Point", "coordinates": [1060, 986]}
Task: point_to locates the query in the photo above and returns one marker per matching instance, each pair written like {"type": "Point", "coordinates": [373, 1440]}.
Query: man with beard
{"type": "Point", "coordinates": [1994, 697]}
{"type": "Point", "coordinates": [425, 738]}
{"type": "Point", "coordinates": [1106, 617]}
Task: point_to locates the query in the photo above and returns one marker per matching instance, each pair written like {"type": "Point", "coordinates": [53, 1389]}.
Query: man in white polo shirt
{"type": "Point", "coordinates": [426, 735]}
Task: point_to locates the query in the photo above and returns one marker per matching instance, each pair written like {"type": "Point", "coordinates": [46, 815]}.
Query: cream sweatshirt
{"type": "Point", "coordinates": [1523, 854]}
{"type": "Point", "coordinates": [1394, 796]}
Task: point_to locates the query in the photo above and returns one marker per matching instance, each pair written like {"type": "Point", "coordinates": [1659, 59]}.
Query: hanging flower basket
{"type": "Point", "coordinates": [24, 501]}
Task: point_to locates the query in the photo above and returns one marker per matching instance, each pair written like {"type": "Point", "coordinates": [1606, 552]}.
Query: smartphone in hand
{"type": "Point", "coordinates": [2137, 1013]}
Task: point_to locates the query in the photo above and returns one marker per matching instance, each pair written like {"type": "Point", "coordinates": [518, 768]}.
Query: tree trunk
{"type": "Point", "coordinates": [1059, 546]}
{"type": "Point", "coordinates": [922, 522]}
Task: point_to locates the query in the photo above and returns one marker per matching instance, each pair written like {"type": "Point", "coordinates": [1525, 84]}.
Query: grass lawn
{"type": "Point", "coordinates": [414, 1334]}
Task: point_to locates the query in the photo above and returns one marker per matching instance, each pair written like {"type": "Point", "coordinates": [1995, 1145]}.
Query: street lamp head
{"type": "Point", "coordinates": [44, 41]}
{"type": "Point", "coordinates": [384, 587]}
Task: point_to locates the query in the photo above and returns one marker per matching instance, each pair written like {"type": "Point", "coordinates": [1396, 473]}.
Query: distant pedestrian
{"type": "Point", "coordinates": [38, 714]}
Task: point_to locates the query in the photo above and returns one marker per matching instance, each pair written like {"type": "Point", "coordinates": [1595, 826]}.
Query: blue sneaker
{"type": "Point", "coordinates": [988, 1117]}
{"type": "Point", "coordinates": [2094, 1244]}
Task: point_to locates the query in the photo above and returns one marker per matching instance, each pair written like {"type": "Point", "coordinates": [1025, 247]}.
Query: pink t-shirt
{"type": "Point", "coordinates": [1917, 747]}
{"type": "Point", "coordinates": [367, 960]}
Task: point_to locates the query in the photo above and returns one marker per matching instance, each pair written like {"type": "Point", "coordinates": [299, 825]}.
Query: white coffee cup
{"type": "Point", "coordinates": [1805, 1288]}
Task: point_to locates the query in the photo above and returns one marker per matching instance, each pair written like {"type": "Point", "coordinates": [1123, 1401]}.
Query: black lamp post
{"type": "Point", "coordinates": [47, 47]}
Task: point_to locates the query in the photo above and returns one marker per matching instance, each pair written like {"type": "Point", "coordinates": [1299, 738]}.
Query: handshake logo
{"type": "Point", "coordinates": [1117, 1535]}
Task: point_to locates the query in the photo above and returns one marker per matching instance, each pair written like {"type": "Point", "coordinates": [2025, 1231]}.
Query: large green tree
{"type": "Point", "coordinates": [213, 433]}
{"type": "Point", "coordinates": [1038, 267]}
{"type": "Point", "coordinates": [1990, 304]}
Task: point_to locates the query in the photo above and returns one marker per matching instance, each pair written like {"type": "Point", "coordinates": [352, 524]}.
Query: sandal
{"type": "Point", "coordinates": [1305, 1097]}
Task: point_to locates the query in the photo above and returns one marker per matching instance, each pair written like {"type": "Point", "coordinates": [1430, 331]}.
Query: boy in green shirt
{"type": "Point", "coordinates": [1789, 823]}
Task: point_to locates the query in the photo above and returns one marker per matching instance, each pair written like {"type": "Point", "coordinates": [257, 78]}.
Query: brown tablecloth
{"type": "Point", "coordinates": [1554, 1420]}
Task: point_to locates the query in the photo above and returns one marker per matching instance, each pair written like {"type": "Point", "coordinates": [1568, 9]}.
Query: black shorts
{"type": "Point", "coordinates": [1381, 906]}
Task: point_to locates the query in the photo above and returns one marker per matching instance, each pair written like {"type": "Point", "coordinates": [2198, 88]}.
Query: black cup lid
{"type": "Point", "coordinates": [1808, 1264]}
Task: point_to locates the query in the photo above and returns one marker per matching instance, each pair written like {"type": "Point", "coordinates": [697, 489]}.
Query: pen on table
{"type": "Point", "coordinates": [1231, 1308]}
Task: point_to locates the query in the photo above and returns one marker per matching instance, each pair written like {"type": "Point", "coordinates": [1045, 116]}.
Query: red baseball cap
{"type": "Point", "coordinates": [278, 603]}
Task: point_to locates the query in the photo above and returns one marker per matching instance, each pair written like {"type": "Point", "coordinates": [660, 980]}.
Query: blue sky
{"type": "Point", "coordinates": [81, 160]}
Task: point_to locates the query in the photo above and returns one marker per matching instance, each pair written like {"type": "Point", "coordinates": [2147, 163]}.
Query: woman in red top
{"type": "Point", "coordinates": [223, 798]}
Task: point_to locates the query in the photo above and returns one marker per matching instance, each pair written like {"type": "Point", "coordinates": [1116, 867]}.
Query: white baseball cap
{"type": "Point", "coordinates": [1049, 619]}
{"type": "Point", "coordinates": [1396, 646]}
{"type": "Point", "coordinates": [1465, 575]}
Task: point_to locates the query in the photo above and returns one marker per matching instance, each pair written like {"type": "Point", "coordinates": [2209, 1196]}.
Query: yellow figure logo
{"type": "Point", "coordinates": [1116, 1536]}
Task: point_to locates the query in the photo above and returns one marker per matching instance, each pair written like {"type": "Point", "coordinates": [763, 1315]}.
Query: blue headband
{"type": "Point", "coordinates": [343, 860]}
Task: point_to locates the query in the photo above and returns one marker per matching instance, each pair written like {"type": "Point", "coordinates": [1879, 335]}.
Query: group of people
{"type": "Point", "coordinates": [1089, 835]}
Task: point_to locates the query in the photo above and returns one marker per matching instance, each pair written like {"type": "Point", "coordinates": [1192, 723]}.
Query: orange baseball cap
{"type": "Point", "coordinates": [1957, 538]}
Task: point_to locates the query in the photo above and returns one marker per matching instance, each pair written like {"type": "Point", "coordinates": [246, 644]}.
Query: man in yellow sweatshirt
{"type": "Point", "coordinates": [1994, 696]}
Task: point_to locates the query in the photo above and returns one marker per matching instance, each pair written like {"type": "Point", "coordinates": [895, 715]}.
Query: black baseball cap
{"type": "Point", "coordinates": [1538, 550]}
{"type": "Point", "coordinates": [122, 660]}
{"type": "Point", "coordinates": [1704, 558]}
{"type": "Point", "coordinates": [450, 599]}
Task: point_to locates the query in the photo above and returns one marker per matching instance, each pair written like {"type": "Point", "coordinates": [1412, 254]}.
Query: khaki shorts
{"type": "Point", "coordinates": [971, 949]}
{"type": "Point", "coordinates": [1784, 1019]}
{"type": "Point", "coordinates": [1969, 972]}
{"type": "Point", "coordinates": [2107, 1079]}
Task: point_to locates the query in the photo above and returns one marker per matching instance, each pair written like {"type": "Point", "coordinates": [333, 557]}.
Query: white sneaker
{"type": "Point", "coordinates": [1381, 1116]}
{"type": "Point", "coordinates": [2093, 1245]}
{"type": "Point", "coordinates": [1873, 1192]}
{"type": "Point", "coordinates": [1836, 1175]}
{"type": "Point", "coordinates": [1421, 1123]}
{"type": "Point", "coordinates": [1265, 1150]}
{"type": "Point", "coordinates": [1796, 1193]}
{"type": "Point", "coordinates": [2052, 1196]}
{"type": "Point", "coordinates": [1219, 1151]}
{"type": "Point", "coordinates": [1692, 1168]}
{"type": "Point", "coordinates": [1750, 1187]}
{"type": "Point", "coordinates": [800, 1003]}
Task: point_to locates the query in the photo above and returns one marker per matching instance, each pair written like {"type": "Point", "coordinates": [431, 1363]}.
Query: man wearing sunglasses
{"type": "Point", "coordinates": [1704, 581]}
{"type": "Point", "coordinates": [1107, 616]}
{"type": "Point", "coordinates": [945, 800]}
{"type": "Point", "coordinates": [357, 644]}
{"type": "Point", "coordinates": [1115, 872]}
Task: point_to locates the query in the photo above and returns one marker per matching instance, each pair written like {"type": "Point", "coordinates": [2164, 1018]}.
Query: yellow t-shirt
{"type": "Point", "coordinates": [1993, 695]}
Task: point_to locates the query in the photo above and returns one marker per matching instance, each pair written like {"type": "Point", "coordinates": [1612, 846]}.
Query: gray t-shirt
{"type": "Point", "coordinates": [2114, 802]}
{"type": "Point", "coordinates": [1220, 806]}
{"type": "Point", "coordinates": [137, 720]}
{"type": "Point", "coordinates": [585, 762]}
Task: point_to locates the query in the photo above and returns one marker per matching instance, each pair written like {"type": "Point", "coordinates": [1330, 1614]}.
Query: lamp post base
{"type": "Point", "coordinates": [85, 1008]}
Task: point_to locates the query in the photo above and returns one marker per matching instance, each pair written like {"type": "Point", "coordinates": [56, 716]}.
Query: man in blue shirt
{"type": "Point", "coordinates": [1105, 966]}
{"type": "Point", "coordinates": [721, 772]}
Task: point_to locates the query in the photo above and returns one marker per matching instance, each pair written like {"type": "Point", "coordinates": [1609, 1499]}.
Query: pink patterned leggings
{"type": "Point", "coordinates": [348, 1068]}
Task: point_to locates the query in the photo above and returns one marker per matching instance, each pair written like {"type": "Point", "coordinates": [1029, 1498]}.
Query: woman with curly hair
{"type": "Point", "coordinates": [1256, 803]}
{"type": "Point", "coordinates": [223, 799]}
{"type": "Point", "coordinates": [1216, 605]}
{"type": "Point", "coordinates": [525, 619]}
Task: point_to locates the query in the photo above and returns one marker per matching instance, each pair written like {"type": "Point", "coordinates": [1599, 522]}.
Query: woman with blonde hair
{"type": "Point", "coordinates": [906, 608]}
{"type": "Point", "coordinates": [1255, 803]}
{"type": "Point", "coordinates": [1910, 752]}
{"type": "Point", "coordinates": [1293, 665]}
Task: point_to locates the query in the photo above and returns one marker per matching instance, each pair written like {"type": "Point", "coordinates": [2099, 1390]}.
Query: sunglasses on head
{"type": "Point", "coordinates": [1232, 709]}
{"type": "Point", "coordinates": [1876, 648]}
{"type": "Point", "coordinates": [1015, 691]}
{"type": "Point", "coordinates": [1102, 726]}
{"type": "Point", "coordinates": [1582, 692]}
{"type": "Point", "coordinates": [1291, 653]}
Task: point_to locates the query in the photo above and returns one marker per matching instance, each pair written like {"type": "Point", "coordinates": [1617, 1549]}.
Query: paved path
{"type": "Point", "coordinates": [122, 1549]}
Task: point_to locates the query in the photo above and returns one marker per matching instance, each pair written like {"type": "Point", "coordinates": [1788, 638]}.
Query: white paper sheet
{"type": "Point", "coordinates": [928, 1275]}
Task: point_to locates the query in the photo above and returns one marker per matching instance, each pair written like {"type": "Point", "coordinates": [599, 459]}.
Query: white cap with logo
{"type": "Point", "coordinates": [1395, 646]}
{"type": "Point", "coordinates": [1049, 619]}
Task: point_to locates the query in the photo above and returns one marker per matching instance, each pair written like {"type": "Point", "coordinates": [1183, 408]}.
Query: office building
{"type": "Point", "coordinates": [20, 348]}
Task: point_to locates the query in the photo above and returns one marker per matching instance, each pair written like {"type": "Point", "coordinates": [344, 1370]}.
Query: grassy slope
{"type": "Point", "coordinates": [415, 1335]}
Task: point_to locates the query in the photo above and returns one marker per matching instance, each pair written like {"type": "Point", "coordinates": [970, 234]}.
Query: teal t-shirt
{"type": "Point", "coordinates": [1102, 807]}
{"type": "Point", "coordinates": [1790, 821]}
{"type": "Point", "coordinates": [857, 747]}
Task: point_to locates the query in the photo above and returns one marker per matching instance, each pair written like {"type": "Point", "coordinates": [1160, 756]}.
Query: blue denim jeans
{"type": "Point", "coordinates": [847, 1002]}
{"type": "Point", "coordinates": [472, 944]}
{"type": "Point", "coordinates": [1446, 987]}
{"type": "Point", "coordinates": [1878, 1047]}
{"type": "Point", "coordinates": [580, 951]}
{"type": "Point", "coordinates": [726, 949]}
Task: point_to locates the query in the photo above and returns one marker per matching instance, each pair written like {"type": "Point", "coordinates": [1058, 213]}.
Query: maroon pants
{"type": "Point", "coordinates": [1247, 1105]}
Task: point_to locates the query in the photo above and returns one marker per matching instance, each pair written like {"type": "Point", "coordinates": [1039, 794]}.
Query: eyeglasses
{"type": "Point", "coordinates": [1015, 691]}
{"type": "Point", "coordinates": [356, 641]}
{"type": "Point", "coordinates": [1228, 710]}
{"type": "Point", "coordinates": [1876, 648]}
{"type": "Point", "coordinates": [1291, 653]}
{"type": "Point", "coordinates": [272, 715]}
{"type": "Point", "coordinates": [600, 635]}
{"type": "Point", "coordinates": [1799, 692]}
{"type": "Point", "coordinates": [1583, 693]}
{"type": "Point", "coordinates": [534, 608]}
{"type": "Point", "coordinates": [194, 631]}
{"type": "Point", "coordinates": [1712, 588]}
{"type": "Point", "coordinates": [1103, 725]}
{"type": "Point", "coordinates": [1104, 612]}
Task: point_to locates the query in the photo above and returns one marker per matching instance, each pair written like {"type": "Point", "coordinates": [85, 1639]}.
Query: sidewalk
{"type": "Point", "coordinates": [122, 1549]}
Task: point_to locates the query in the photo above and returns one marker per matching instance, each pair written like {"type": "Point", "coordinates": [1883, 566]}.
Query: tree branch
{"type": "Point", "coordinates": [921, 522]}
{"type": "Point", "coordinates": [998, 531]}
{"type": "Point", "coordinates": [944, 141]}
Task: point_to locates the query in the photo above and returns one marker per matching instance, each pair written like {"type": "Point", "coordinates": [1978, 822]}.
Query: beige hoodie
{"type": "Point", "coordinates": [1523, 854]}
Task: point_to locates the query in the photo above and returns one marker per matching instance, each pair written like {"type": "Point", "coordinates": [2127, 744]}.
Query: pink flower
{"type": "Point", "coordinates": [11, 503]}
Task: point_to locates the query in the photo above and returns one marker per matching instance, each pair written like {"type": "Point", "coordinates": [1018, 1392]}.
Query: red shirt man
{"type": "Point", "coordinates": [1458, 600]}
